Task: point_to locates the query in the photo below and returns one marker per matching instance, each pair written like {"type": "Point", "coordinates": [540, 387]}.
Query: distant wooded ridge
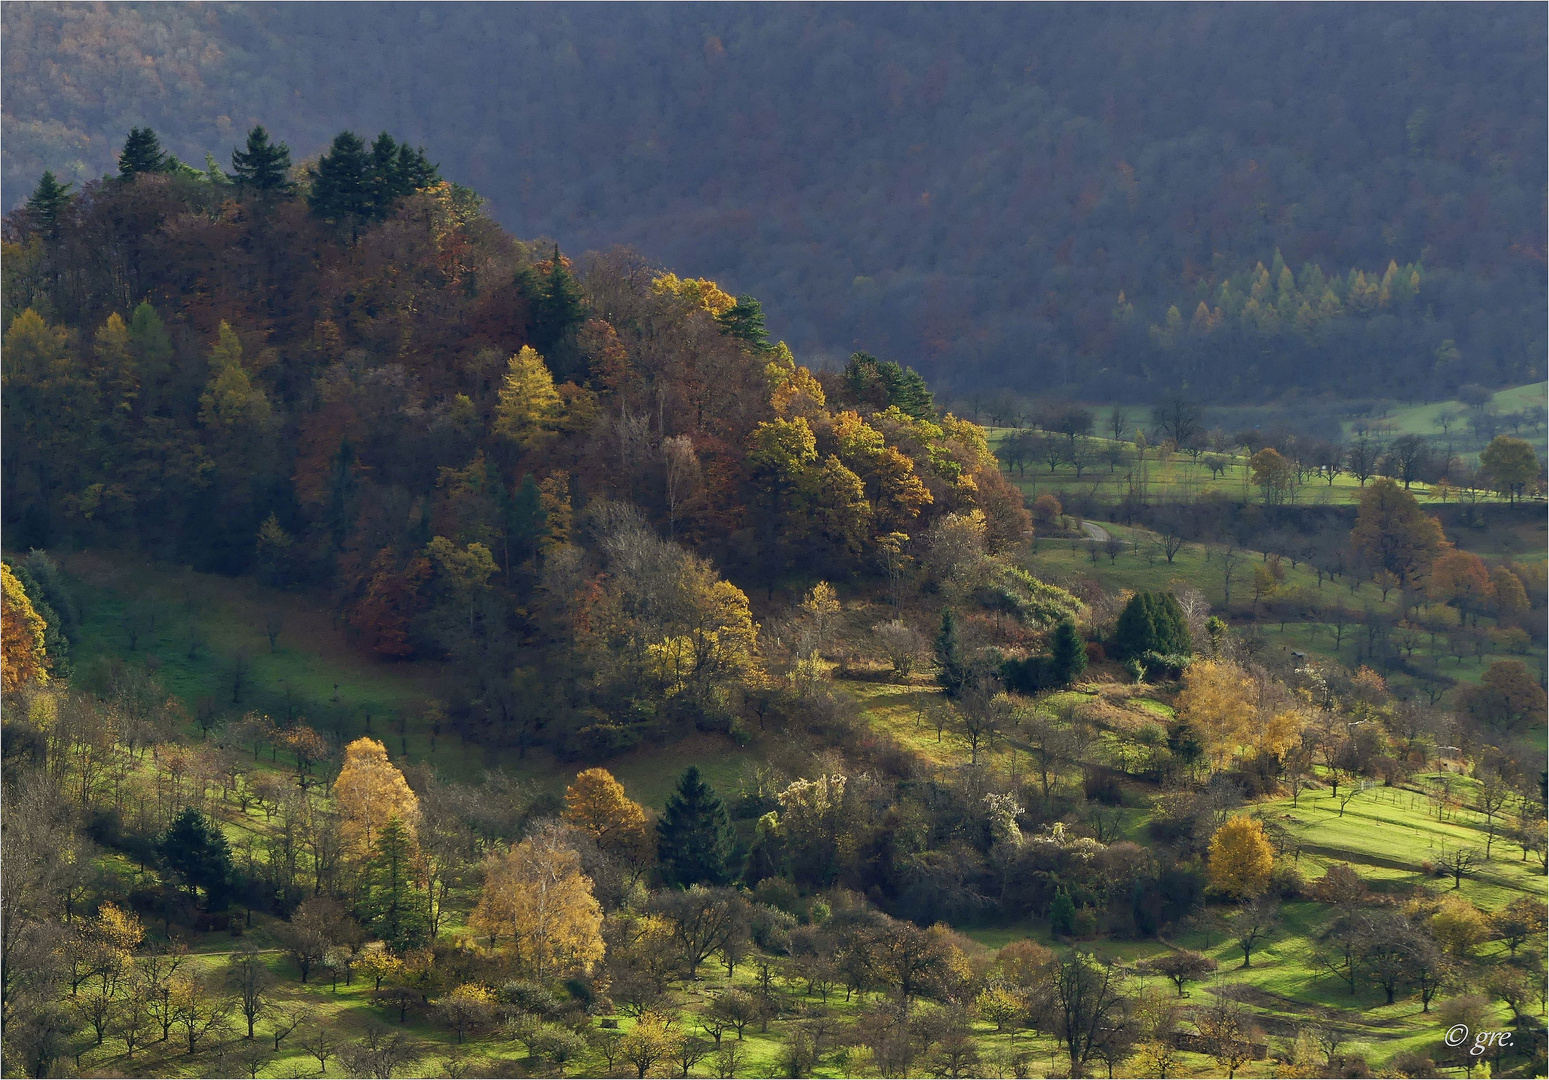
{"type": "Point", "coordinates": [966, 190]}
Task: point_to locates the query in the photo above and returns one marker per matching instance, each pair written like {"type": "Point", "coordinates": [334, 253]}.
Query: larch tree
{"type": "Point", "coordinates": [1240, 858]}
{"type": "Point", "coordinates": [231, 402]}
{"type": "Point", "coordinates": [370, 792]}
{"type": "Point", "coordinates": [537, 900]}
{"type": "Point", "coordinates": [529, 407]}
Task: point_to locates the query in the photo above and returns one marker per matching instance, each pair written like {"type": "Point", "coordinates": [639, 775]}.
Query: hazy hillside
{"type": "Point", "coordinates": [964, 189]}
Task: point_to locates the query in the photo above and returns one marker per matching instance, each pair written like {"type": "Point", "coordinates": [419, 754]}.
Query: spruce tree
{"type": "Point", "coordinates": [195, 849]}
{"type": "Point", "coordinates": [262, 166]}
{"type": "Point", "coordinates": [395, 907]}
{"type": "Point", "coordinates": [1067, 658]}
{"type": "Point", "coordinates": [744, 320]}
{"type": "Point", "coordinates": [142, 153]}
{"type": "Point", "coordinates": [341, 183]}
{"type": "Point", "coordinates": [560, 307]}
{"type": "Point", "coordinates": [912, 396]}
{"type": "Point", "coordinates": [1152, 622]}
{"type": "Point", "coordinates": [693, 836]}
{"type": "Point", "coordinates": [953, 666]}
{"type": "Point", "coordinates": [48, 202]}
{"type": "Point", "coordinates": [1062, 914]}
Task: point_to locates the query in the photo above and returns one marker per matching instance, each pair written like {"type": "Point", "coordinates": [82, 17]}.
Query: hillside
{"type": "Point", "coordinates": [423, 653]}
{"type": "Point", "coordinates": [998, 196]}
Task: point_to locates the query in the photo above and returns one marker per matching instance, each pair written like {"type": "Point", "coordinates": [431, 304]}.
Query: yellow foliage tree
{"type": "Point", "coordinates": [536, 899]}
{"type": "Point", "coordinates": [701, 291]}
{"type": "Point", "coordinates": [1280, 733]}
{"type": "Point", "coordinates": [230, 399]}
{"type": "Point", "coordinates": [529, 408]}
{"type": "Point", "coordinates": [1459, 925]}
{"type": "Point", "coordinates": [597, 805]}
{"type": "Point", "coordinates": [1220, 700]}
{"type": "Point", "coordinates": [22, 656]}
{"type": "Point", "coordinates": [370, 792]}
{"type": "Point", "coordinates": [1240, 858]}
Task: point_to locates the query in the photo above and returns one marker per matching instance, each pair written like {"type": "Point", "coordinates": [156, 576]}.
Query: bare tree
{"type": "Point", "coordinates": [274, 623]}
{"type": "Point", "coordinates": [682, 467]}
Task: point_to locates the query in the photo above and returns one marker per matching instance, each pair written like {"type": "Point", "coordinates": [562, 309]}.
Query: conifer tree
{"type": "Point", "coordinates": [195, 849]}
{"type": "Point", "coordinates": [559, 306]}
{"type": "Point", "coordinates": [395, 907]}
{"type": "Point", "coordinates": [949, 656]}
{"type": "Point", "coordinates": [1067, 654]}
{"type": "Point", "coordinates": [693, 836]}
{"type": "Point", "coordinates": [341, 187]}
{"type": "Point", "coordinates": [262, 166]}
{"type": "Point", "coordinates": [745, 321]}
{"type": "Point", "coordinates": [142, 153]}
{"type": "Point", "coordinates": [48, 202]}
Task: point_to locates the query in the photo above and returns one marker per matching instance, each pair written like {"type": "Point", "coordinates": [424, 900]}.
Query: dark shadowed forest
{"type": "Point", "coordinates": [964, 190]}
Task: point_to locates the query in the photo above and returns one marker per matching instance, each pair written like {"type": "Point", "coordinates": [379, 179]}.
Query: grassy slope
{"type": "Point", "coordinates": [1180, 478]}
{"type": "Point", "coordinates": [1386, 834]}
{"type": "Point", "coordinates": [316, 672]}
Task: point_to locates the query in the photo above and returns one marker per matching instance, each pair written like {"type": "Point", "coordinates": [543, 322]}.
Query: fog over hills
{"type": "Point", "coordinates": [965, 189]}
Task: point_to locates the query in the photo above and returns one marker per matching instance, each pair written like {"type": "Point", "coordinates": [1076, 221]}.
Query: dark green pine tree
{"type": "Point", "coordinates": [744, 320]}
{"type": "Point", "coordinates": [263, 166]}
{"type": "Point", "coordinates": [48, 202]}
{"type": "Point", "coordinates": [341, 183]}
{"type": "Point", "coordinates": [559, 308]}
{"type": "Point", "coordinates": [953, 665]}
{"type": "Point", "coordinates": [142, 153]}
{"type": "Point", "coordinates": [1062, 914]}
{"type": "Point", "coordinates": [912, 396]}
{"type": "Point", "coordinates": [526, 520]}
{"type": "Point", "coordinates": [693, 836]}
{"type": "Point", "coordinates": [864, 380]}
{"type": "Point", "coordinates": [382, 176]}
{"type": "Point", "coordinates": [1067, 659]}
{"type": "Point", "coordinates": [194, 849]}
{"type": "Point", "coordinates": [1135, 630]}
{"type": "Point", "coordinates": [395, 908]}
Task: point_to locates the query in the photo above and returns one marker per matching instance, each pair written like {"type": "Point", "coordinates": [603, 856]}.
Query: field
{"type": "Point", "coordinates": [194, 632]}
{"type": "Point", "coordinates": [1175, 477]}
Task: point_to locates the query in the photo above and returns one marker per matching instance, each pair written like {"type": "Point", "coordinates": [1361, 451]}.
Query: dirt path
{"type": "Point", "coordinates": [1095, 532]}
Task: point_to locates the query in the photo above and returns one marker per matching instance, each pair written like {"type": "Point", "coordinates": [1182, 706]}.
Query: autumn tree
{"type": "Point", "coordinates": [1507, 696]}
{"type": "Point", "coordinates": [1181, 967]}
{"type": "Point", "coordinates": [1459, 579]}
{"type": "Point", "coordinates": [596, 804]}
{"type": "Point", "coordinates": [537, 900]}
{"type": "Point", "coordinates": [1510, 465]}
{"type": "Point", "coordinates": [529, 408]}
{"type": "Point", "coordinates": [1220, 700]}
{"type": "Point", "coordinates": [250, 978]}
{"type": "Point", "coordinates": [370, 792]}
{"type": "Point", "coordinates": [1391, 532]}
{"type": "Point", "coordinates": [1240, 858]}
{"type": "Point", "coordinates": [23, 657]}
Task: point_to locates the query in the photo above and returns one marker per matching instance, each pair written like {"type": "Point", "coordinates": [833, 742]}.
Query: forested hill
{"type": "Point", "coordinates": [968, 190]}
